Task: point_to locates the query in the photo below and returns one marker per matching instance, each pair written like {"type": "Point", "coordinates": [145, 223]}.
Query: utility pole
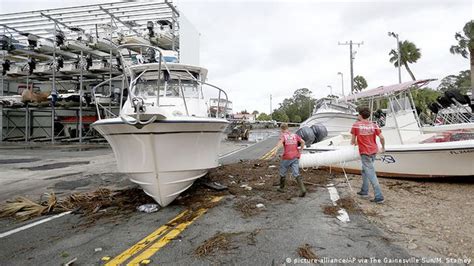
{"type": "Point", "coordinates": [271, 106]}
{"type": "Point", "coordinates": [399, 52]}
{"type": "Point", "coordinates": [351, 54]}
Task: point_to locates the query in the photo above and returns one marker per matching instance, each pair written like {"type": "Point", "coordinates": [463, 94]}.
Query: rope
{"type": "Point", "coordinates": [345, 175]}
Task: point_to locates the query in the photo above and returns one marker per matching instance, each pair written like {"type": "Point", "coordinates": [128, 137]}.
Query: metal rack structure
{"type": "Point", "coordinates": [80, 37]}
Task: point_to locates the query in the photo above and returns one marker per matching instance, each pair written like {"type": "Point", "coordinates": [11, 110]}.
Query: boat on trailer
{"type": "Point", "coordinates": [164, 137]}
{"type": "Point", "coordinates": [409, 152]}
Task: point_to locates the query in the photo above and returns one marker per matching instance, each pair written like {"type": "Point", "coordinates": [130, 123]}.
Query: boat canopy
{"type": "Point", "coordinates": [386, 90]}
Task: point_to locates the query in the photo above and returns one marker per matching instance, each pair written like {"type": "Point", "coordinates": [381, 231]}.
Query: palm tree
{"type": "Point", "coordinates": [359, 83]}
{"type": "Point", "coordinates": [409, 54]}
{"type": "Point", "coordinates": [466, 46]}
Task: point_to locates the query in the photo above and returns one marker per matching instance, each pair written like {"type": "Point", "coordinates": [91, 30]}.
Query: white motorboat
{"type": "Point", "coordinates": [164, 138]}
{"type": "Point", "coordinates": [337, 116]}
{"type": "Point", "coordinates": [409, 151]}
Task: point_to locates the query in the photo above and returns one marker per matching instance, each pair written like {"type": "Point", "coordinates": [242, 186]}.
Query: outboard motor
{"type": "Point", "coordinates": [307, 134]}
{"type": "Point", "coordinates": [444, 101]}
{"type": "Point", "coordinates": [434, 107]}
{"type": "Point", "coordinates": [320, 132]}
{"type": "Point", "coordinates": [456, 94]}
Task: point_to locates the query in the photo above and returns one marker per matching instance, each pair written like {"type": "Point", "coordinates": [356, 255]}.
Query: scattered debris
{"type": "Point", "coordinates": [24, 209]}
{"type": "Point", "coordinates": [306, 252]}
{"type": "Point", "coordinates": [215, 185]}
{"type": "Point", "coordinates": [248, 207]}
{"type": "Point", "coordinates": [97, 249]}
{"type": "Point", "coordinates": [348, 204]}
{"type": "Point", "coordinates": [246, 187]}
{"type": "Point", "coordinates": [93, 204]}
{"type": "Point", "coordinates": [219, 242]}
{"type": "Point", "coordinates": [331, 210]}
{"type": "Point", "coordinates": [148, 208]}
{"type": "Point", "coordinates": [260, 205]}
{"type": "Point", "coordinates": [70, 262]}
{"type": "Point", "coordinates": [251, 237]}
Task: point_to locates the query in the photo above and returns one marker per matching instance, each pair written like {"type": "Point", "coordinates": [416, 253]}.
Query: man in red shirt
{"type": "Point", "coordinates": [364, 133]}
{"type": "Point", "coordinates": [290, 157]}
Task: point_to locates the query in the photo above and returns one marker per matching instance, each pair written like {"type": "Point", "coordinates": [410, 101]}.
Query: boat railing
{"type": "Point", "coordinates": [99, 106]}
{"type": "Point", "coordinates": [220, 92]}
{"type": "Point", "coordinates": [137, 101]}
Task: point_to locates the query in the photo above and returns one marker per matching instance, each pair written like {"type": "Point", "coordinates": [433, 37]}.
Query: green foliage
{"type": "Point", "coordinates": [423, 97]}
{"type": "Point", "coordinates": [280, 116]}
{"type": "Point", "coordinates": [465, 42]}
{"type": "Point", "coordinates": [296, 119]}
{"type": "Point", "coordinates": [461, 82]}
{"type": "Point", "coordinates": [299, 107]}
{"type": "Point", "coordinates": [409, 54]}
{"type": "Point", "coordinates": [255, 112]}
{"type": "Point", "coordinates": [264, 117]}
{"type": "Point", "coordinates": [359, 83]}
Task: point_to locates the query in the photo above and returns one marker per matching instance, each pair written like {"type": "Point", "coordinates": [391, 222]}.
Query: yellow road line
{"type": "Point", "coordinates": [267, 155]}
{"type": "Point", "coordinates": [168, 237]}
{"type": "Point", "coordinates": [142, 244]}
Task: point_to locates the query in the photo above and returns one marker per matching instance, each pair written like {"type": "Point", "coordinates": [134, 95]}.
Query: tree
{"type": "Point", "coordinates": [465, 47]}
{"type": "Point", "coordinates": [409, 54]}
{"type": "Point", "coordinates": [461, 82]}
{"type": "Point", "coordinates": [263, 117]}
{"type": "Point", "coordinates": [300, 104]}
{"type": "Point", "coordinates": [296, 119]}
{"type": "Point", "coordinates": [280, 116]}
{"type": "Point", "coordinates": [359, 83]}
{"type": "Point", "coordinates": [255, 112]}
{"type": "Point", "coordinates": [423, 97]}
{"type": "Point", "coordinates": [244, 112]}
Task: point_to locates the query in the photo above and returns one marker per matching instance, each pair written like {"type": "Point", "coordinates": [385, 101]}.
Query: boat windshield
{"type": "Point", "coordinates": [148, 88]}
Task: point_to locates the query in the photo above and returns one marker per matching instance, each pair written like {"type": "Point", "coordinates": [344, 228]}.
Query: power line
{"type": "Point", "coordinates": [351, 55]}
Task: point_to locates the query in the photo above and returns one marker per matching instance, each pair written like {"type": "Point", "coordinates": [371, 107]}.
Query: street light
{"type": "Point", "coordinates": [342, 82]}
{"type": "Point", "coordinates": [330, 87]}
{"type": "Point", "coordinates": [395, 35]}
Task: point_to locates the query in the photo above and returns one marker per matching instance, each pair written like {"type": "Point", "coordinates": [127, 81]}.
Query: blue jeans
{"type": "Point", "coordinates": [368, 174]}
{"type": "Point", "coordinates": [293, 164]}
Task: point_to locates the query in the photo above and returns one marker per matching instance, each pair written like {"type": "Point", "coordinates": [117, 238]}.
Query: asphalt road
{"type": "Point", "coordinates": [278, 230]}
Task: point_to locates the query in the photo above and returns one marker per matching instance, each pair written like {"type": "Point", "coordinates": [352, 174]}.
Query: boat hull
{"type": "Point", "coordinates": [335, 122]}
{"type": "Point", "coordinates": [423, 161]}
{"type": "Point", "coordinates": [164, 157]}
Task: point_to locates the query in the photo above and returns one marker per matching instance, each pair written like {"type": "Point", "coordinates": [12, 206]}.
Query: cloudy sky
{"type": "Point", "coordinates": [256, 48]}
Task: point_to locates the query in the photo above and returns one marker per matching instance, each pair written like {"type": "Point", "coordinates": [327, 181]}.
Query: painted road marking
{"type": "Point", "coordinates": [142, 244]}
{"type": "Point", "coordinates": [145, 255]}
{"type": "Point", "coordinates": [269, 154]}
{"type": "Point", "coordinates": [162, 235]}
{"type": "Point", "coordinates": [16, 230]}
{"type": "Point", "coordinates": [334, 195]}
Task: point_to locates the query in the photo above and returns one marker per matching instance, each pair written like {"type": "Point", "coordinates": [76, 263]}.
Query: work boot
{"type": "Point", "coordinates": [282, 184]}
{"type": "Point", "coordinates": [301, 186]}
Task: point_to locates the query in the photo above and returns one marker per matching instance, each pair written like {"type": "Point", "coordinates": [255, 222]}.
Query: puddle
{"type": "Point", "coordinates": [26, 160]}
{"type": "Point", "coordinates": [70, 185]}
{"type": "Point", "coordinates": [61, 176]}
{"type": "Point", "coordinates": [54, 166]}
{"type": "Point", "coordinates": [262, 135]}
